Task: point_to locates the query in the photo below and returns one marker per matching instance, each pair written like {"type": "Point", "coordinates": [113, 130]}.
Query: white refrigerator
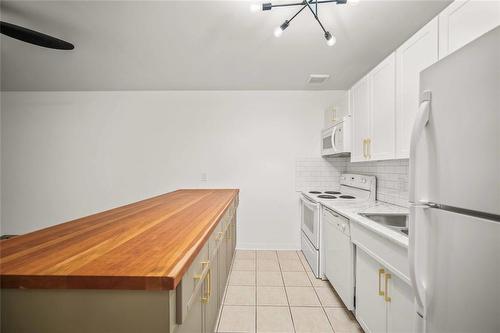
{"type": "Point", "coordinates": [454, 189]}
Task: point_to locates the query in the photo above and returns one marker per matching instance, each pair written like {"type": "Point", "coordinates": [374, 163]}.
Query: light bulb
{"type": "Point", "coordinates": [255, 7]}
{"type": "Point", "coordinates": [330, 40]}
{"type": "Point", "coordinates": [278, 32]}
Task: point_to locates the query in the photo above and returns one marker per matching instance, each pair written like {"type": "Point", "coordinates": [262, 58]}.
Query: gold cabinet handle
{"type": "Point", "coordinates": [219, 237]}
{"type": "Point", "coordinates": [380, 291]}
{"type": "Point", "coordinates": [208, 285]}
{"type": "Point", "coordinates": [364, 148]}
{"type": "Point", "coordinates": [209, 276]}
{"type": "Point", "coordinates": [369, 148]}
{"type": "Point", "coordinates": [387, 297]}
{"type": "Point", "coordinates": [203, 264]}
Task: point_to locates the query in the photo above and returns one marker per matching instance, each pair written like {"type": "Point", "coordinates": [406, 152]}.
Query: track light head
{"type": "Point", "coordinates": [279, 30]}
{"type": "Point", "coordinates": [330, 39]}
{"type": "Point", "coordinates": [285, 25]}
{"type": "Point", "coordinates": [267, 6]}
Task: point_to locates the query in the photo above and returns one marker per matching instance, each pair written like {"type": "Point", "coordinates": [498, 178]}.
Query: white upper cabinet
{"type": "Point", "coordinates": [360, 113]}
{"type": "Point", "coordinates": [383, 94]}
{"type": "Point", "coordinates": [463, 21]}
{"type": "Point", "coordinates": [372, 107]}
{"type": "Point", "coordinates": [416, 54]}
{"type": "Point", "coordinates": [385, 102]}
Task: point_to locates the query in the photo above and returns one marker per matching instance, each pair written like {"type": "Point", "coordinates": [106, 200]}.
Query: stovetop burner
{"type": "Point", "coordinates": [332, 192]}
{"type": "Point", "coordinates": [315, 192]}
{"type": "Point", "coordinates": [347, 197]}
{"type": "Point", "coordinates": [326, 196]}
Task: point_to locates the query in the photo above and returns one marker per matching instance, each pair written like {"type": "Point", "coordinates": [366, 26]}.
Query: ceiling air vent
{"type": "Point", "coordinates": [318, 78]}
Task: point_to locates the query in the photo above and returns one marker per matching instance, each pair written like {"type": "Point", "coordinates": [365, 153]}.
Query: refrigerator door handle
{"type": "Point", "coordinates": [421, 121]}
{"type": "Point", "coordinates": [418, 289]}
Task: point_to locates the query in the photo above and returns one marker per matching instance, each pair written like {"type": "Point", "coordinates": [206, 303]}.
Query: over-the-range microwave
{"type": "Point", "coordinates": [336, 139]}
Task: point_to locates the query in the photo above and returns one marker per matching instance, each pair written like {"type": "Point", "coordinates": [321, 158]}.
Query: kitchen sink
{"type": "Point", "coordinates": [396, 222]}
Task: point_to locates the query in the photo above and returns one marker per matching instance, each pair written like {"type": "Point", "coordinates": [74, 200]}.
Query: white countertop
{"type": "Point", "coordinates": [352, 210]}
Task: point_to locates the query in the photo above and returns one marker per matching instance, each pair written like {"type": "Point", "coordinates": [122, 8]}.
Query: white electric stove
{"type": "Point", "coordinates": [354, 189]}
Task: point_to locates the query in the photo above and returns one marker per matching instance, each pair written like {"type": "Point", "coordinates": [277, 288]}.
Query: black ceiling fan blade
{"type": "Point", "coordinates": [34, 37]}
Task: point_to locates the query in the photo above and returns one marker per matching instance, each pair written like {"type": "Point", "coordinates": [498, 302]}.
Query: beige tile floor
{"type": "Point", "coordinates": [275, 291]}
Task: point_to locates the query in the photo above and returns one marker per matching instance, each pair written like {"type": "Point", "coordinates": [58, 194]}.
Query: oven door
{"type": "Point", "coordinates": [310, 220]}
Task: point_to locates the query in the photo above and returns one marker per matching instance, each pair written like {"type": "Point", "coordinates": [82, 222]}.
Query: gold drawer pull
{"type": "Point", "coordinates": [380, 291]}
{"type": "Point", "coordinates": [208, 288]}
{"type": "Point", "coordinates": [198, 276]}
{"type": "Point", "coordinates": [209, 284]}
{"type": "Point", "coordinates": [387, 297]}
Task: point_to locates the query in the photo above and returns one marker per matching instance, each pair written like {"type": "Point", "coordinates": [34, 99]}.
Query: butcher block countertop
{"type": "Point", "coordinates": [147, 245]}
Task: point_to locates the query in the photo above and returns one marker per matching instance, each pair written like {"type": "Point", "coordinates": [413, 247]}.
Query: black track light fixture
{"type": "Point", "coordinates": [312, 5]}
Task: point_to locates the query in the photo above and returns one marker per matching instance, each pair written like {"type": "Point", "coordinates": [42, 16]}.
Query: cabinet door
{"type": "Point", "coordinates": [229, 244]}
{"type": "Point", "coordinates": [232, 240]}
{"type": "Point", "coordinates": [193, 323]}
{"type": "Point", "coordinates": [383, 106]}
{"type": "Point", "coordinates": [463, 21]}
{"type": "Point", "coordinates": [213, 303]}
{"type": "Point", "coordinates": [370, 306]}
{"type": "Point", "coordinates": [400, 308]}
{"type": "Point", "coordinates": [360, 103]}
{"type": "Point", "coordinates": [416, 54]}
{"type": "Point", "coordinates": [222, 270]}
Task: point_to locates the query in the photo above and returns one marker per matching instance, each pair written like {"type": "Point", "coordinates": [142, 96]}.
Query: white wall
{"type": "Point", "coordinates": [70, 154]}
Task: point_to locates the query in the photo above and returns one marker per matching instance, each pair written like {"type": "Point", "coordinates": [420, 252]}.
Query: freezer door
{"type": "Point", "coordinates": [457, 154]}
{"type": "Point", "coordinates": [458, 269]}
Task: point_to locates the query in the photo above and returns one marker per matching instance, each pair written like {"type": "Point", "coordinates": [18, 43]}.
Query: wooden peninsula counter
{"type": "Point", "coordinates": [158, 265]}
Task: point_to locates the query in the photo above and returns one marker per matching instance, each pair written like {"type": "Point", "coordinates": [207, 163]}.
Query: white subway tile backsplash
{"type": "Point", "coordinates": [324, 173]}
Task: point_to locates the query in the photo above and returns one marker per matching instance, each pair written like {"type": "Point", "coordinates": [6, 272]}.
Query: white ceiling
{"type": "Point", "coordinates": [201, 45]}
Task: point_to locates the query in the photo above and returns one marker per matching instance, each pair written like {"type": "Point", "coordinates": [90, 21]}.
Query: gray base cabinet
{"type": "Point", "coordinates": [194, 319]}
{"type": "Point", "coordinates": [213, 302]}
{"type": "Point", "coordinates": [202, 309]}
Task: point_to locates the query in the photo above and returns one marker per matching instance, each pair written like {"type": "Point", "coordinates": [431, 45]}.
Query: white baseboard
{"type": "Point", "coordinates": [266, 246]}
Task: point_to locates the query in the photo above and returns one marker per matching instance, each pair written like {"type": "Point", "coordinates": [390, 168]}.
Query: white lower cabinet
{"type": "Point", "coordinates": [384, 302]}
{"type": "Point", "coordinates": [370, 306]}
{"type": "Point", "coordinates": [401, 309]}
